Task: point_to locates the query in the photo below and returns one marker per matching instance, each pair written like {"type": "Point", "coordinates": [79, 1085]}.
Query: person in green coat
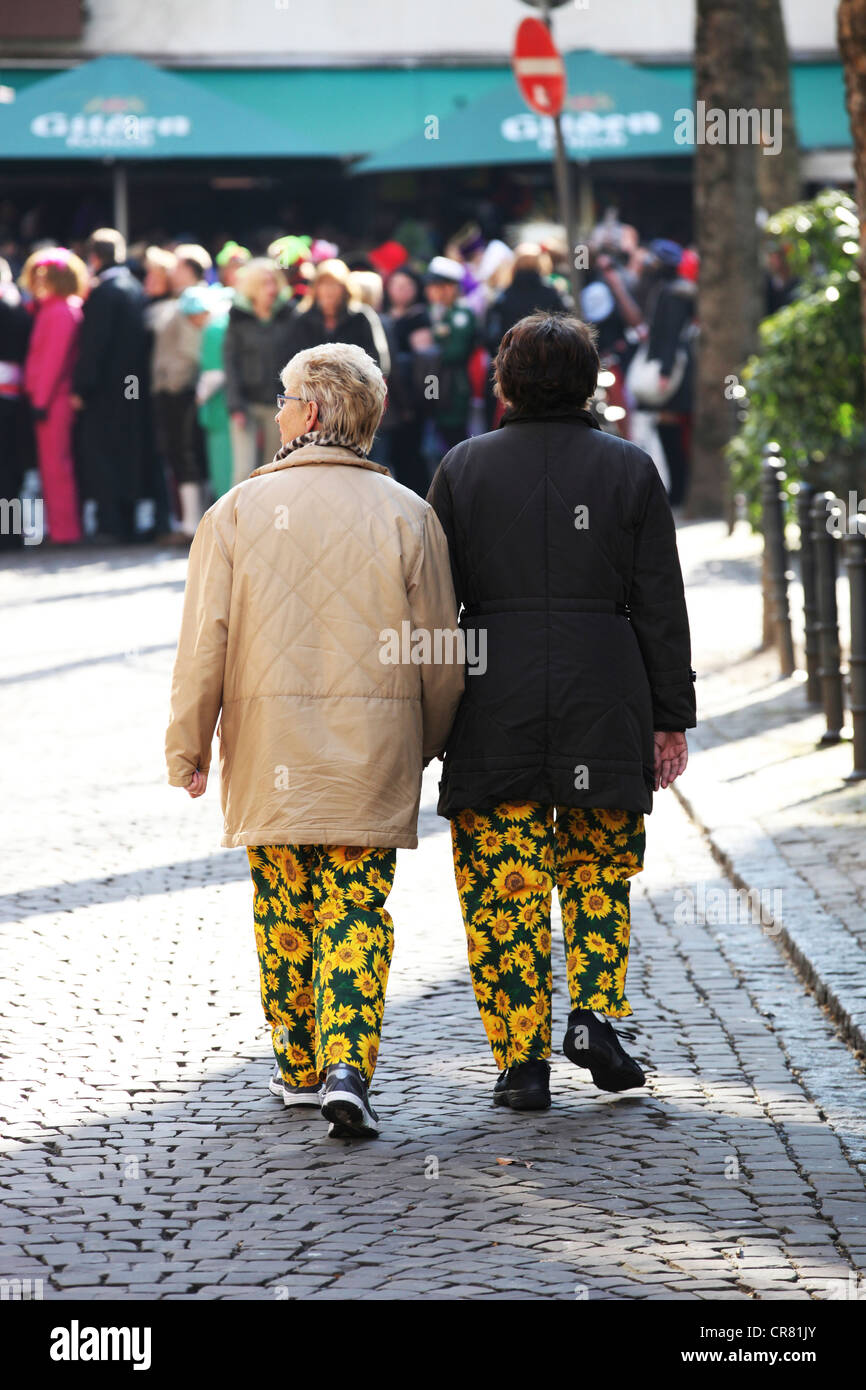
{"type": "Point", "coordinates": [454, 334]}
{"type": "Point", "coordinates": [213, 411]}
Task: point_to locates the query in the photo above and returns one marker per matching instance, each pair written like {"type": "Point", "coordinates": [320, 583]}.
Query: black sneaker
{"type": "Point", "coordinates": [292, 1095]}
{"type": "Point", "coordinates": [591, 1042]}
{"type": "Point", "coordinates": [345, 1104]}
{"type": "Point", "coordinates": [524, 1086]}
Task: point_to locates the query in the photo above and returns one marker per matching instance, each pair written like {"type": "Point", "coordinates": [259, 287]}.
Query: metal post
{"type": "Point", "coordinates": [854, 550]}
{"type": "Point", "coordinates": [824, 546]}
{"type": "Point", "coordinates": [773, 475]}
{"type": "Point", "coordinates": [563, 188]}
{"type": "Point", "coordinates": [565, 211]}
{"type": "Point", "coordinates": [585, 198]}
{"type": "Point", "coordinates": [121, 200]}
{"type": "Point", "coordinates": [805, 494]}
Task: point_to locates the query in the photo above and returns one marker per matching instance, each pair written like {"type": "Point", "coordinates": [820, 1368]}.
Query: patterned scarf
{"type": "Point", "coordinates": [326, 437]}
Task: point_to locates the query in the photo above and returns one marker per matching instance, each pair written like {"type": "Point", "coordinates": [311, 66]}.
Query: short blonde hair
{"type": "Point", "coordinates": [529, 255]}
{"type": "Point", "coordinates": [253, 272]}
{"type": "Point", "coordinates": [333, 269]}
{"type": "Point", "coordinates": [157, 258]}
{"type": "Point", "coordinates": [367, 287]}
{"type": "Point", "coordinates": [328, 270]}
{"type": "Point", "coordinates": [347, 386]}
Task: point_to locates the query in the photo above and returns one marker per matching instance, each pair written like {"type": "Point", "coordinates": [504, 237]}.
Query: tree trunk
{"type": "Point", "coordinates": [851, 21]}
{"type": "Point", "coordinates": [726, 199]}
{"type": "Point", "coordinates": [779, 183]}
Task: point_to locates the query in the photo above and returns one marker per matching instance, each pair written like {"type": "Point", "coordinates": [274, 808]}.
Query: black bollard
{"type": "Point", "coordinates": [772, 478]}
{"type": "Point", "coordinates": [854, 550]}
{"type": "Point", "coordinates": [826, 561]}
{"type": "Point", "coordinates": [805, 494]}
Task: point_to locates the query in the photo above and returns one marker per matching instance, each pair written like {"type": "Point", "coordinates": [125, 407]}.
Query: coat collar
{"type": "Point", "coordinates": [319, 453]}
{"type": "Point", "coordinates": [112, 272]}
{"type": "Point", "coordinates": [583, 417]}
{"type": "Point", "coordinates": [244, 305]}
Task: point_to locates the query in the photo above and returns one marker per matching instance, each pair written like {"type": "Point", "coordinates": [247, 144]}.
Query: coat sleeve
{"type": "Point", "coordinates": [439, 497]}
{"type": "Point", "coordinates": [197, 679]}
{"type": "Point", "coordinates": [493, 329]}
{"type": "Point", "coordinates": [34, 363]}
{"type": "Point", "coordinates": [94, 344]}
{"type": "Point", "coordinates": [457, 345]}
{"type": "Point", "coordinates": [672, 314]}
{"type": "Point", "coordinates": [377, 342]}
{"type": "Point", "coordinates": [432, 605]}
{"type": "Point", "coordinates": [52, 342]}
{"type": "Point", "coordinates": [231, 350]}
{"type": "Point", "coordinates": [658, 611]}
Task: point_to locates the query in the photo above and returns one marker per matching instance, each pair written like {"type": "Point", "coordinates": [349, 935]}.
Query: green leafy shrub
{"type": "Point", "coordinates": [804, 389]}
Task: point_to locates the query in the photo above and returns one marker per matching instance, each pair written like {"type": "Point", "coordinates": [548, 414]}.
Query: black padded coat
{"type": "Point", "coordinates": [564, 557]}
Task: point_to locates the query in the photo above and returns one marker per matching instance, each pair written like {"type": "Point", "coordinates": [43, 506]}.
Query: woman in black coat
{"type": "Point", "coordinates": [257, 344]}
{"type": "Point", "coordinates": [112, 358]}
{"type": "Point", "coordinates": [407, 323]}
{"type": "Point", "coordinates": [578, 694]}
{"type": "Point", "coordinates": [330, 314]}
{"type": "Point", "coordinates": [526, 294]}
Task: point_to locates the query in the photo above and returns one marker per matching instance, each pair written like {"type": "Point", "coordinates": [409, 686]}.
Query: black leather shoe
{"type": "Point", "coordinates": [345, 1104]}
{"type": "Point", "coordinates": [524, 1086]}
{"type": "Point", "coordinates": [591, 1042]}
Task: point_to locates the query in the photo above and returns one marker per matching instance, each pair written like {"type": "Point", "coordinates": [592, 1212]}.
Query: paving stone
{"type": "Point", "coordinates": [152, 1162]}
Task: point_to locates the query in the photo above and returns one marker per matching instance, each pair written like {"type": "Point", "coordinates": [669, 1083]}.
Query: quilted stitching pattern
{"type": "Point", "coordinates": [281, 629]}
{"type": "Point", "coordinates": [313, 583]}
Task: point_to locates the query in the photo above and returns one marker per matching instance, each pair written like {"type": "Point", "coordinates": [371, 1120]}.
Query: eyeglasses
{"type": "Point", "coordinates": [281, 400]}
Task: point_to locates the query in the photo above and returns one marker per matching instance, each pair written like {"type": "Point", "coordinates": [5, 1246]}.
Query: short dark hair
{"type": "Point", "coordinates": [107, 245]}
{"type": "Point", "coordinates": [547, 360]}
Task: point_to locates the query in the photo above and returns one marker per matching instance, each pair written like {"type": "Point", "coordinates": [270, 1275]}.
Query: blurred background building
{"type": "Point", "coordinates": [321, 114]}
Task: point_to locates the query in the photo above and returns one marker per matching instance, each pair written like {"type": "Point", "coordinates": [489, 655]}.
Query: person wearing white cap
{"type": "Point", "coordinates": [454, 335]}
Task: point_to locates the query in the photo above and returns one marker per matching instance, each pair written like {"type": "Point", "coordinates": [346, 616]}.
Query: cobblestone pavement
{"type": "Point", "coordinates": [142, 1153]}
{"type": "Point", "coordinates": [774, 801]}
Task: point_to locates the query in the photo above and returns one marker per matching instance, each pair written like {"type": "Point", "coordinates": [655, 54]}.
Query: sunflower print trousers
{"type": "Point", "coordinates": [324, 943]}
{"type": "Point", "coordinates": [506, 860]}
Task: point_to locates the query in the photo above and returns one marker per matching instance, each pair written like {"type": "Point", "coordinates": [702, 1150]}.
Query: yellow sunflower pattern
{"type": "Point", "coordinates": [507, 860]}
{"type": "Point", "coordinates": [324, 942]}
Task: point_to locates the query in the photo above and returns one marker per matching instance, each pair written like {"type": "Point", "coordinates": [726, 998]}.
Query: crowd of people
{"type": "Point", "coordinates": [151, 376]}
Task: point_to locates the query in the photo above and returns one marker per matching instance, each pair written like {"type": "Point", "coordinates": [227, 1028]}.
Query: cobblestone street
{"type": "Point", "coordinates": [143, 1155]}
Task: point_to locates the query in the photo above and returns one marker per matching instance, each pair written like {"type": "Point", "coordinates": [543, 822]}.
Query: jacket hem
{"type": "Point", "coordinates": [623, 791]}
{"type": "Point", "coordinates": [327, 835]}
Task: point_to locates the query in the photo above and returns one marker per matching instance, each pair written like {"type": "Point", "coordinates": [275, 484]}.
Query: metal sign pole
{"type": "Point", "coordinates": [121, 200]}
{"type": "Point", "coordinates": [563, 190]}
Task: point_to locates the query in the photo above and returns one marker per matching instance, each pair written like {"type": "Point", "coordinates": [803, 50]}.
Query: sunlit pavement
{"type": "Point", "coordinates": [144, 1156]}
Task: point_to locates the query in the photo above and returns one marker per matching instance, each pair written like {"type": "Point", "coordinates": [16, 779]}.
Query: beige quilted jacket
{"type": "Point", "coordinates": [294, 576]}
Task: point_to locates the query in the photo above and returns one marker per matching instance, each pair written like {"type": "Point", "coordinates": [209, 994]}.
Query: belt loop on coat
{"type": "Point", "coordinates": [598, 605]}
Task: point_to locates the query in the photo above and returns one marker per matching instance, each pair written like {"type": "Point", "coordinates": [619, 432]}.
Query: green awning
{"type": "Point", "coordinates": [613, 110]}
{"type": "Point", "coordinates": [818, 92]}
{"type": "Point", "coordinates": [352, 111]}
{"type": "Point", "coordinates": [366, 111]}
{"type": "Point", "coordinates": [126, 109]}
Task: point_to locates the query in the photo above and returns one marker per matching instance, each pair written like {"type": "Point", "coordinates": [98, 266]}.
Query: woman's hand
{"type": "Point", "coordinates": [197, 784]}
{"type": "Point", "coordinates": [671, 757]}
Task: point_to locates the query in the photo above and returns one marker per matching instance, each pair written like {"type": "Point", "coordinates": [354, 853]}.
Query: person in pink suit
{"type": "Point", "coordinates": [58, 282]}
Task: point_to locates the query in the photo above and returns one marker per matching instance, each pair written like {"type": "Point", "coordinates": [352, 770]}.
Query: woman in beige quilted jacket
{"type": "Point", "coordinates": [317, 628]}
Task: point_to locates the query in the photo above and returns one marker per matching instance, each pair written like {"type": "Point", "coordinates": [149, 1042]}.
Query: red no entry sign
{"type": "Point", "coordinates": [539, 68]}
